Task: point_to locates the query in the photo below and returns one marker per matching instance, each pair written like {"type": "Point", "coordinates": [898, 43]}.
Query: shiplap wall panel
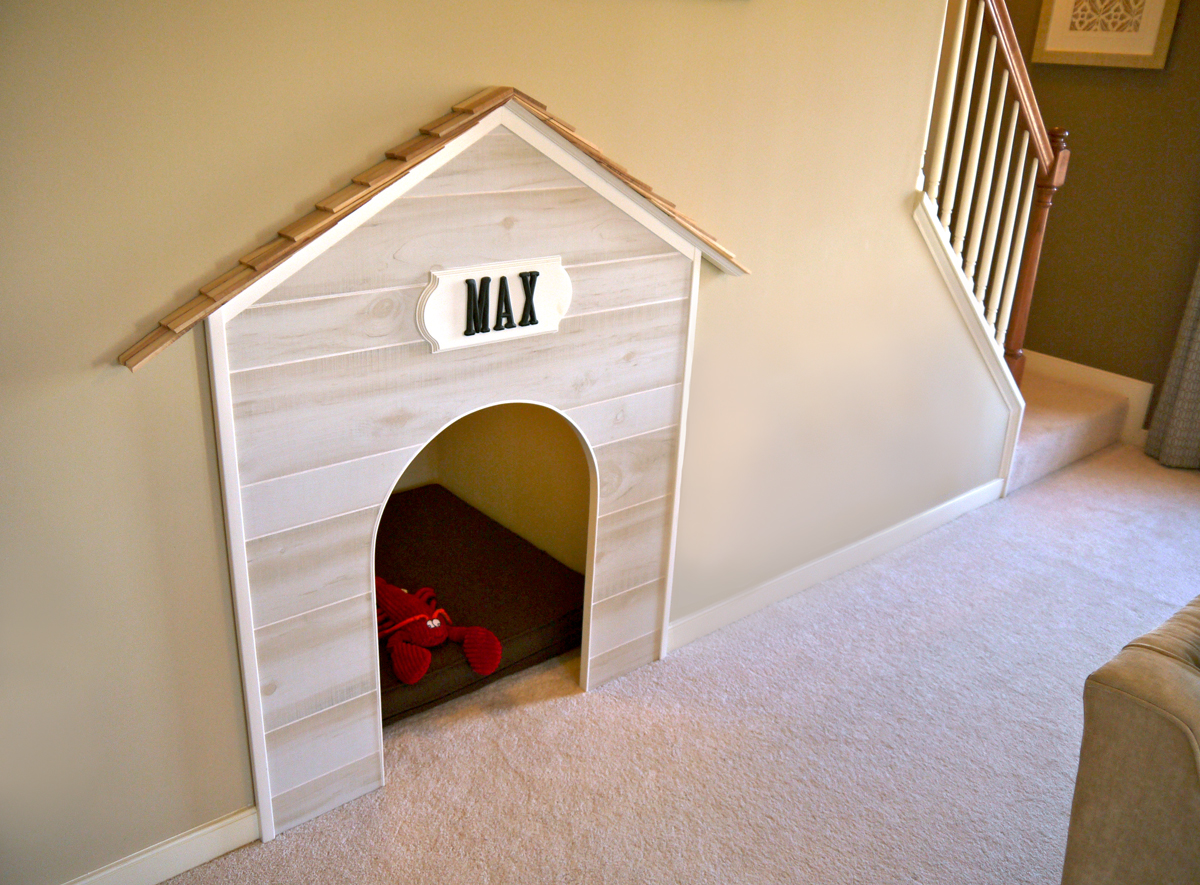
{"type": "Point", "coordinates": [626, 416]}
{"type": "Point", "coordinates": [634, 470]}
{"type": "Point", "coordinates": [462, 231]}
{"type": "Point", "coordinates": [631, 548]}
{"type": "Point", "coordinates": [295, 330]}
{"type": "Point", "coordinates": [623, 618]}
{"type": "Point", "coordinates": [624, 658]}
{"type": "Point", "coordinates": [315, 660]}
{"type": "Point", "coordinates": [613, 285]}
{"type": "Point", "coordinates": [296, 571]}
{"type": "Point", "coordinates": [332, 393]}
{"type": "Point", "coordinates": [333, 738]}
{"type": "Point", "coordinates": [275, 505]}
{"type": "Point", "coordinates": [282, 332]}
{"type": "Point", "coordinates": [500, 162]}
{"type": "Point", "coordinates": [328, 791]}
{"type": "Point", "coordinates": [305, 415]}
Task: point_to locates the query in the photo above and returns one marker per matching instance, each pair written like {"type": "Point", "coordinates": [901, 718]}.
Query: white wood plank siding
{"type": "Point", "coordinates": [400, 245]}
{"type": "Point", "coordinates": [635, 470]}
{"type": "Point", "coordinates": [623, 618]}
{"type": "Point", "coordinates": [630, 415]}
{"type": "Point", "coordinates": [623, 659]}
{"type": "Point", "coordinates": [309, 663]}
{"type": "Point", "coordinates": [329, 740]}
{"type": "Point", "coordinates": [299, 570]}
{"type": "Point", "coordinates": [270, 334]}
{"type": "Point", "coordinates": [500, 162]}
{"type": "Point", "coordinates": [332, 392]}
{"type": "Point", "coordinates": [305, 415]}
{"type": "Point", "coordinates": [274, 505]}
{"type": "Point", "coordinates": [631, 548]}
{"type": "Point", "coordinates": [327, 791]}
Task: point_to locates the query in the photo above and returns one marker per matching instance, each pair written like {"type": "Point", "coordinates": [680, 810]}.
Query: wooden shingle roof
{"type": "Point", "coordinates": [401, 159]}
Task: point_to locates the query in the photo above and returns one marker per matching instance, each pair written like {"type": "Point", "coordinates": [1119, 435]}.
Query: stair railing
{"type": "Point", "coordinates": [992, 177]}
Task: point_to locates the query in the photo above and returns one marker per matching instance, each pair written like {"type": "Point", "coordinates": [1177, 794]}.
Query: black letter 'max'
{"type": "Point", "coordinates": [528, 281]}
{"type": "Point", "coordinates": [477, 307]}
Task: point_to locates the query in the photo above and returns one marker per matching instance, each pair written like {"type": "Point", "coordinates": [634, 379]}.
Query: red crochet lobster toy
{"type": "Point", "coordinates": [414, 624]}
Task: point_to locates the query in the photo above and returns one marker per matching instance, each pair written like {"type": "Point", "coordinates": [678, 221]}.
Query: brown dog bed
{"type": "Point", "coordinates": [483, 575]}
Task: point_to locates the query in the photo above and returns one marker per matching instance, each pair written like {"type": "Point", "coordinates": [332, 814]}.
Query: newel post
{"type": "Point", "coordinates": [1049, 180]}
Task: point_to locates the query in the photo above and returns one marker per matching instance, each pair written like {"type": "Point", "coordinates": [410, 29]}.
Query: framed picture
{"type": "Point", "coordinates": [1115, 33]}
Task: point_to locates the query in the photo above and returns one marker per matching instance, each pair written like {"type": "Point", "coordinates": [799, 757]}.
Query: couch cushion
{"type": "Point", "coordinates": [1178, 637]}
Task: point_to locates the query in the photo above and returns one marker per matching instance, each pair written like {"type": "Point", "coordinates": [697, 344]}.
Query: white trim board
{"type": "Point", "coordinates": [946, 260]}
{"type": "Point", "coordinates": [235, 537]}
{"type": "Point", "coordinates": [692, 627]}
{"type": "Point", "coordinates": [1138, 392]}
{"type": "Point", "coordinates": [179, 853]}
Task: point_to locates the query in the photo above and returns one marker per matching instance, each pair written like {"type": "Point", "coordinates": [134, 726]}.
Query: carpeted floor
{"type": "Point", "coordinates": [916, 719]}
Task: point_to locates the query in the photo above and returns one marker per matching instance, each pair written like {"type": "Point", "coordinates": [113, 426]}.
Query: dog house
{"type": "Point", "coordinates": [497, 257]}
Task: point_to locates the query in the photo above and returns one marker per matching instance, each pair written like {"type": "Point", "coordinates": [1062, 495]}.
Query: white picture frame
{"type": "Point", "coordinates": [1108, 33]}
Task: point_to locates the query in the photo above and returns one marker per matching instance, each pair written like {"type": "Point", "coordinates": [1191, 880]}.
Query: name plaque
{"type": "Point", "coordinates": [466, 306]}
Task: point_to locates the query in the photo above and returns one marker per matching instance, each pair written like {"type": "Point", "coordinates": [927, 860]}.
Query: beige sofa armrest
{"type": "Point", "coordinates": [1136, 813]}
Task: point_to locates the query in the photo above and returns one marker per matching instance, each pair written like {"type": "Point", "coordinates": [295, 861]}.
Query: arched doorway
{"type": "Point", "coordinates": [496, 514]}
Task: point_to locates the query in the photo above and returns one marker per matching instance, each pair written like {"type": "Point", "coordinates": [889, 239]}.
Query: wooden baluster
{"type": "Point", "coordinates": [1049, 181]}
{"type": "Point", "coordinates": [1006, 241]}
{"type": "Point", "coordinates": [946, 104]}
{"type": "Point", "coordinates": [971, 174]}
{"type": "Point", "coordinates": [964, 114]}
{"type": "Point", "coordinates": [1012, 268]}
{"type": "Point", "coordinates": [985, 191]}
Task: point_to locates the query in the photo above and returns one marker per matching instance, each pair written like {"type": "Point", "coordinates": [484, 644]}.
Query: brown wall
{"type": "Point", "coordinates": [1124, 234]}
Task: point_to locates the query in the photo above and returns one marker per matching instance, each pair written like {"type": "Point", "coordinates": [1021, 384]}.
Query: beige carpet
{"type": "Point", "coordinates": [1063, 423]}
{"type": "Point", "coordinates": [914, 720]}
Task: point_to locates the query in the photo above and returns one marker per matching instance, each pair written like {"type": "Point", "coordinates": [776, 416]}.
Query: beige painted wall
{"type": "Point", "coordinates": [524, 466]}
{"type": "Point", "coordinates": [146, 146]}
{"type": "Point", "coordinates": [1124, 234]}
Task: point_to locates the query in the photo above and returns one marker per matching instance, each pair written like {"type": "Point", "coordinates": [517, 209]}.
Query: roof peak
{"type": "Point", "coordinates": [398, 162]}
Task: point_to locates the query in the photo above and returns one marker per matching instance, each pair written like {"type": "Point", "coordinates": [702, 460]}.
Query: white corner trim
{"type": "Point", "coordinates": [972, 313]}
{"type": "Point", "coordinates": [694, 626]}
{"type": "Point", "coordinates": [239, 569]}
{"type": "Point", "coordinates": [179, 853]}
{"type": "Point", "coordinates": [1138, 392]}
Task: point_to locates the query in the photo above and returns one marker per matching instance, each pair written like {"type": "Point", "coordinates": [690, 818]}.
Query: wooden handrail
{"type": "Point", "coordinates": [1019, 75]}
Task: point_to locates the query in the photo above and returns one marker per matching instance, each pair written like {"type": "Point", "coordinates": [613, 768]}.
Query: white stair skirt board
{"type": "Point", "coordinates": [179, 853]}
{"type": "Point", "coordinates": [937, 238]}
{"type": "Point", "coordinates": [694, 626]}
{"type": "Point", "coordinates": [1137, 392]}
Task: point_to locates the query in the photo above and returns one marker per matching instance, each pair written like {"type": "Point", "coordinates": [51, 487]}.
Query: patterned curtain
{"type": "Point", "coordinates": [1175, 431]}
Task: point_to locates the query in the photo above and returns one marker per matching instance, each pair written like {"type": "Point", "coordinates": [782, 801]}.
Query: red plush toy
{"type": "Point", "coordinates": [414, 624]}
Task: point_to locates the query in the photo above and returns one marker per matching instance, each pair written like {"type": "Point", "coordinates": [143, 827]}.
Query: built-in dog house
{"type": "Point", "coordinates": [497, 257]}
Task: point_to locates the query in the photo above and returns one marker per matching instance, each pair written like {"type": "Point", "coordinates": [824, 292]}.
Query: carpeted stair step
{"type": "Point", "coordinates": [1063, 423]}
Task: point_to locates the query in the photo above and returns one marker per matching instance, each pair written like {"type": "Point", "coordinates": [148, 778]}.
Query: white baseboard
{"type": "Point", "coordinates": [179, 853]}
{"type": "Point", "coordinates": [1138, 392]}
{"type": "Point", "coordinates": [692, 627]}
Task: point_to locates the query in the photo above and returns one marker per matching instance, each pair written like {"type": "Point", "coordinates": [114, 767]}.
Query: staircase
{"type": "Point", "coordinates": [1063, 423]}
{"type": "Point", "coordinates": [990, 173]}
{"type": "Point", "coordinates": [987, 182]}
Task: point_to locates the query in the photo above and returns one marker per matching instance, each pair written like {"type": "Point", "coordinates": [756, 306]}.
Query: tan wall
{"type": "Point", "coordinates": [525, 467]}
{"type": "Point", "coordinates": [1124, 234]}
{"type": "Point", "coordinates": [147, 145]}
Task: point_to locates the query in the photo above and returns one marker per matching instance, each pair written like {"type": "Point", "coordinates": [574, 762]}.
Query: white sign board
{"type": "Point", "coordinates": [466, 306]}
